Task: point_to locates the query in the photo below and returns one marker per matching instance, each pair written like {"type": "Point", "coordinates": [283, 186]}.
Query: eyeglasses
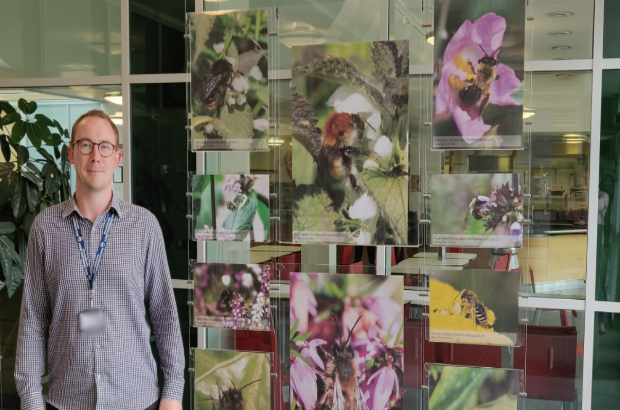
{"type": "Point", "coordinates": [86, 147]}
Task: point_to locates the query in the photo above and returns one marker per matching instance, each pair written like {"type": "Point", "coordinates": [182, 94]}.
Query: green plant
{"type": "Point", "coordinates": [27, 185]}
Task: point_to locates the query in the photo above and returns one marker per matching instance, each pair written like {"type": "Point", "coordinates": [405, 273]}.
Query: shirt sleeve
{"type": "Point", "coordinates": [163, 315]}
{"type": "Point", "coordinates": [33, 326]}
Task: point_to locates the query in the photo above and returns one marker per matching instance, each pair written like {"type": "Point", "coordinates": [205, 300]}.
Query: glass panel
{"type": "Point", "coordinates": [160, 167]}
{"type": "Point", "coordinates": [606, 365]}
{"type": "Point", "coordinates": [611, 30]}
{"type": "Point", "coordinates": [60, 38]}
{"type": "Point", "coordinates": [156, 36]}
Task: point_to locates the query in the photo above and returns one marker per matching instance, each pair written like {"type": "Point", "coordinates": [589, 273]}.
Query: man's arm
{"type": "Point", "coordinates": [163, 315]}
{"type": "Point", "coordinates": [33, 326]}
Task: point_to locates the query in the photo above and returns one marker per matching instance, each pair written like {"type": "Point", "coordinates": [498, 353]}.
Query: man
{"type": "Point", "coordinates": [96, 284]}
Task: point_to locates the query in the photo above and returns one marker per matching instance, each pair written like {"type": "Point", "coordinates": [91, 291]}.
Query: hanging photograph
{"type": "Point", "coordinates": [479, 70]}
{"type": "Point", "coordinates": [346, 341]}
{"type": "Point", "coordinates": [477, 210]}
{"type": "Point", "coordinates": [474, 307]}
{"type": "Point", "coordinates": [230, 207]}
{"type": "Point", "coordinates": [350, 160]}
{"type": "Point", "coordinates": [233, 296]}
{"type": "Point", "coordinates": [229, 91]}
{"type": "Point", "coordinates": [472, 388]}
{"type": "Point", "coordinates": [226, 379]}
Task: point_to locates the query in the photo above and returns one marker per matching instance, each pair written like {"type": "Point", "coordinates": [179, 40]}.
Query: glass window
{"type": "Point", "coordinates": [60, 38]}
{"type": "Point", "coordinates": [606, 366]}
{"type": "Point", "coordinates": [611, 30]}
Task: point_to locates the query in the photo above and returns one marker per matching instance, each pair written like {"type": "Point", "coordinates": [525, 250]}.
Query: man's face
{"type": "Point", "coordinates": [94, 172]}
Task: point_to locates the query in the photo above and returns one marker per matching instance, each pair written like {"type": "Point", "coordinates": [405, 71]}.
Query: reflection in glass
{"type": "Point", "coordinates": [606, 365]}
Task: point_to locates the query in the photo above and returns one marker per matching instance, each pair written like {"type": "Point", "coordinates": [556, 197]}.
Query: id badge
{"type": "Point", "coordinates": [92, 322]}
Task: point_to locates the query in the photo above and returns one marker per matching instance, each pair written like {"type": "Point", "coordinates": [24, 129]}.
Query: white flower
{"type": "Point", "coordinates": [364, 208]}
{"type": "Point", "coordinates": [370, 164]}
{"type": "Point", "coordinates": [209, 128]}
{"type": "Point", "coordinates": [256, 73]}
{"type": "Point", "coordinates": [364, 237]}
{"type": "Point", "coordinates": [348, 99]}
{"type": "Point", "coordinates": [383, 149]}
{"type": "Point", "coordinates": [373, 121]}
{"type": "Point", "coordinates": [232, 61]}
{"type": "Point", "coordinates": [231, 100]}
{"type": "Point", "coordinates": [247, 280]}
{"type": "Point", "coordinates": [218, 47]}
{"type": "Point", "coordinates": [261, 124]}
{"type": "Point", "coordinates": [240, 84]}
{"type": "Point", "coordinates": [226, 280]}
{"type": "Point", "coordinates": [241, 99]}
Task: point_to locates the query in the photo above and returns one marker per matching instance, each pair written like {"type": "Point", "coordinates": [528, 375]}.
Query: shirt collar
{"type": "Point", "coordinates": [70, 206]}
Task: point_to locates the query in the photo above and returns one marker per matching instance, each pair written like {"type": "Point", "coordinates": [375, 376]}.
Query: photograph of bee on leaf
{"type": "Point", "coordinates": [346, 342]}
{"type": "Point", "coordinates": [350, 143]}
{"type": "Point", "coordinates": [230, 97]}
{"type": "Point", "coordinates": [31, 179]}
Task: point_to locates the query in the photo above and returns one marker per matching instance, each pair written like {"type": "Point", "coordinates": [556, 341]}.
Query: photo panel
{"type": "Point", "coordinates": [469, 388]}
{"type": "Point", "coordinates": [477, 210]}
{"type": "Point", "coordinates": [233, 296]}
{"type": "Point", "coordinates": [230, 207]}
{"type": "Point", "coordinates": [346, 341]}
{"type": "Point", "coordinates": [226, 379]}
{"type": "Point", "coordinates": [350, 160]}
{"type": "Point", "coordinates": [474, 307]}
{"type": "Point", "coordinates": [479, 74]}
{"type": "Point", "coordinates": [229, 87]}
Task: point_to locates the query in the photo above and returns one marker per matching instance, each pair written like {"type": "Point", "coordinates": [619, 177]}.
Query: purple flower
{"type": "Point", "coordinates": [303, 303]}
{"type": "Point", "coordinates": [303, 383]}
{"type": "Point", "coordinates": [308, 350]}
{"type": "Point", "coordinates": [387, 310]}
{"type": "Point", "coordinates": [516, 231]}
{"type": "Point", "coordinates": [381, 384]}
{"type": "Point", "coordinates": [468, 45]}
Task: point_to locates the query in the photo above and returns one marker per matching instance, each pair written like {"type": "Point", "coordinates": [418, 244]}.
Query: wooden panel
{"type": "Point", "coordinates": [540, 270]}
{"type": "Point", "coordinates": [567, 257]}
{"type": "Point", "coordinates": [537, 246]}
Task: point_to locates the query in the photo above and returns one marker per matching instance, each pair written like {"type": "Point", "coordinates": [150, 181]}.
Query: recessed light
{"type": "Point", "coordinates": [560, 14]}
{"type": "Point", "coordinates": [561, 47]}
{"type": "Point", "coordinates": [560, 58]}
{"type": "Point", "coordinates": [114, 97]}
{"type": "Point", "coordinates": [559, 33]}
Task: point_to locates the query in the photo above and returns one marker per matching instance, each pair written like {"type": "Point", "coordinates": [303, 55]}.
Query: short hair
{"type": "Point", "coordinates": [94, 113]}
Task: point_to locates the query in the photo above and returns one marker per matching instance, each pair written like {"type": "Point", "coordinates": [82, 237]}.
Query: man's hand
{"type": "Point", "coordinates": [167, 404]}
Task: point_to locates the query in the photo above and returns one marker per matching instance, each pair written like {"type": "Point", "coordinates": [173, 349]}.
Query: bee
{"type": "Point", "coordinates": [212, 91]}
{"type": "Point", "coordinates": [472, 94]}
{"type": "Point", "coordinates": [475, 207]}
{"type": "Point", "coordinates": [474, 308]}
{"type": "Point", "coordinates": [223, 304]}
{"type": "Point", "coordinates": [342, 136]}
{"type": "Point", "coordinates": [231, 206]}
{"type": "Point", "coordinates": [342, 381]}
{"type": "Point", "coordinates": [231, 399]}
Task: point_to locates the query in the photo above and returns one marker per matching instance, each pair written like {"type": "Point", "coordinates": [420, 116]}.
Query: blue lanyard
{"type": "Point", "coordinates": [91, 275]}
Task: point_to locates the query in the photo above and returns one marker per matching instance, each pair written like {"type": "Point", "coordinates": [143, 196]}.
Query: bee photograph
{"type": "Point", "coordinates": [472, 388]}
{"type": "Point", "coordinates": [346, 341]}
{"type": "Point", "coordinates": [231, 380]}
{"type": "Point", "coordinates": [477, 210]}
{"type": "Point", "coordinates": [234, 296]}
{"type": "Point", "coordinates": [479, 49]}
{"type": "Point", "coordinates": [229, 73]}
{"type": "Point", "coordinates": [230, 207]}
{"type": "Point", "coordinates": [474, 306]}
{"type": "Point", "coordinates": [350, 151]}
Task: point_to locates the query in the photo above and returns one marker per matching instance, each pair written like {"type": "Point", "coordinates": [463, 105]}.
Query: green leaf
{"type": "Point", "coordinates": [58, 126]}
{"type": "Point", "coordinates": [64, 161]}
{"type": "Point", "coordinates": [240, 220]}
{"type": "Point", "coordinates": [22, 155]}
{"type": "Point", "coordinates": [10, 118]}
{"type": "Point", "coordinates": [6, 228]}
{"type": "Point", "coordinates": [56, 152]}
{"type": "Point", "coordinates": [6, 260]}
{"type": "Point", "coordinates": [16, 279]}
{"type": "Point", "coordinates": [300, 357]}
{"type": "Point", "coordinates": [32, 195]}
{"type": "Point", "coordinates": [392, 196]}
{"type": "Point", "coordinates": [5, 147]}
{"type": "Point", "coordinates": [303, 337]}
{"type": "Point", "coordinates": [314, 213]}
{"type": "Point", "coordinates": [7, 186]}
{"type": "Point", "coordinates": [44, 120]}
{"type": "Point", "coordinates": [387, 335]}
{"type": "Point", "coordinates": [18, 201]}
{"type": "Point", "coordinates": [26, 107]}
{"type": "Point", "coordinates": [369, 364]}
{"type": "Point", "coordinates": [32, 177]}
{"type": "Point", "coordinates": [400, 332]}
{"type": "Point", "coordinates": [294, 328]}
{"type": "Point", "coordinates": [6, 168]}
{"type": "Point", "coordinates": [263, 212]}
{"type": "Point", "coordinates": [18, 131]}
{"type": "Point", "coordinates": [293, 400]}
{"type": "Point", "coordinates": [235, 123]}
{"type": "Point", "coordinates": [8, 247]}
{"type": "Point", "coordinates": [326, 314]}
{"type": "Point", "coordinates": [37, 133]}
{"type": "Point", "coordinates": [6, 107]}
{"type": "Point", "coordinates": [28, 220]}
{"type": "Point", "coordinates": [56, 139]}
{"type": "Point", "coordinates": [456, 387]}
{"type": "Point", "coordinates": [45, 154]}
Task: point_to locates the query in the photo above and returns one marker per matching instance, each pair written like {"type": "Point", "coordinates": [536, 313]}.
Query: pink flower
{"type": "Point", "coordinates": [303, 302]}
{"type": "Point", "coordinates": [303, 383]}
{"type": "Point", "coordinates": [387, 311]}
{"type": "Point", "coordinates": [381, 384]}
{"type": "Point", "coordinates": [308, 350]}
{"type": "Point", "coordinates": [471, 43]}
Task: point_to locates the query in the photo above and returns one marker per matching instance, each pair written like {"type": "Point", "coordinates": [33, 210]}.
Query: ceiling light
{"type": "Point", "coordinates": [561, 58]}
{"type": "Point", "coordinates": [117, 121]}
{"type": "Point", "coordinates": [560, 14]}
{"type": "Point", "coordinates": [430, 38]}
{"type": "Point", "coordinates": [114, 97]}
{"type": "Point", "coordinates": [561, 47]}
{"type": "Point", "coordinates": [528, 113]}
{"type": "Point", "coordinates": [559, 33]}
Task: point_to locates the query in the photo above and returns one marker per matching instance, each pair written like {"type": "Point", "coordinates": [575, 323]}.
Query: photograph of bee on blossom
{"type": "Point", "coordinates": [479, 71]}
{"type": "Point", "coordinates": [230, 207]}
{"type": "Point", "coordinates": [232, 296]}
{"type": "Point", "coordinates": [350, 161]}
{"type": "Point", "coordinates": [474, 307]}
{"type": "Point", "coordinates": [477, 210]}
{"type": "Point", "coordinates": [346, 341]}
{"type": "Point", "coordinates": [229, 68]}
